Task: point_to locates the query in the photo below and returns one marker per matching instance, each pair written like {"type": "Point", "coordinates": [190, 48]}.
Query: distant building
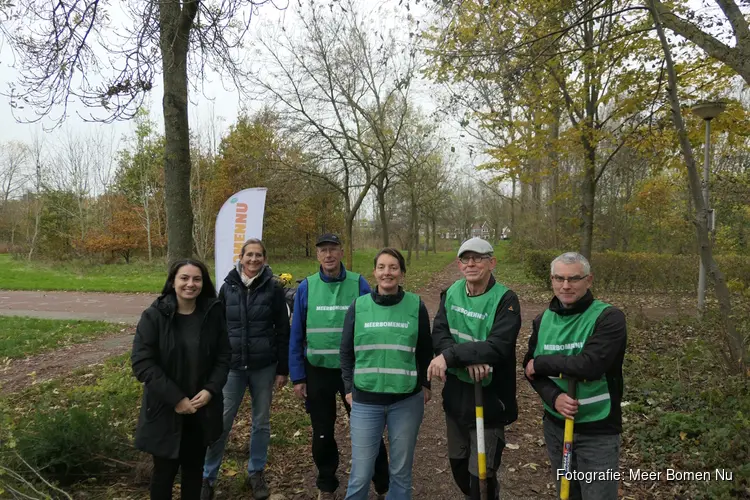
{"type": "Point", "coordinates": [483, 231]}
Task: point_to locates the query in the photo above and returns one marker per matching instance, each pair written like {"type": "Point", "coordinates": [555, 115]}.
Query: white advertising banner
{"type": "Point", "coordinates": [240, 218]}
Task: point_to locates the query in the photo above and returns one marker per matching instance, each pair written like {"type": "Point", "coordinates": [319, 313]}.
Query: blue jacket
{"type": "Point", "coordinates": [298, 340]}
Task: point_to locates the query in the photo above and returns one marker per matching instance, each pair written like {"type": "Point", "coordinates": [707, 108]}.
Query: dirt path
{"type": "Point", "coordinates": [17, 374]}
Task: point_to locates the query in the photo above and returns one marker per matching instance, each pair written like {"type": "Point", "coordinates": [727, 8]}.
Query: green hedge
{"type": "Point", "coordinates": [641, 272]}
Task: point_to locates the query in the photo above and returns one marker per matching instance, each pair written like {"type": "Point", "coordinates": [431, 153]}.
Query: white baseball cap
{"type": "Point", "coordinates": [477, 245]}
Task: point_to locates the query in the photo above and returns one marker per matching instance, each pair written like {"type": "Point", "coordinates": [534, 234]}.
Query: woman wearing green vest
{"type": "Point", "coordinates": [385, 351]}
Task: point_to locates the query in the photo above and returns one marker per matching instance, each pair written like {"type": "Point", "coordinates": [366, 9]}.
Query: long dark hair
{"type": "Point", "coordinates": [207, 292]}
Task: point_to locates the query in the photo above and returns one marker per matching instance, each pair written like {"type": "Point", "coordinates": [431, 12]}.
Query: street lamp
{"type": "Point", "coordinates": [707, 110]}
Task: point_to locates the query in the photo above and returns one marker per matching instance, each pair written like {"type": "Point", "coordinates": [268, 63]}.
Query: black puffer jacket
{"type": "Point", "coordinates": [157, 363]}
{"type": "Point", "coordinates": [258, 322]}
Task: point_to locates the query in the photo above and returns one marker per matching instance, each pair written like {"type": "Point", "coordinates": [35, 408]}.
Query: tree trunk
{"type": "Point", "coordinates": [588, 193]}
{"type": "Point", "coordinates": [736, 57]}
{"type": "Point", "coordinates": [416, 234]}
{"type": "Point", "coordinates": [380, 188]}
{"type": "Point", "coordinates": [524, 202]}
{"type": "Point", "coordinates": [175, 25]}
{"type": "Point", "coordinates": [554, 136]}
{"type": "Point", "coordinates": [349, 239]}
{"type": "Point", "coordinates": [147, 220]}
{"type": "Point", "coordinates": [412, 223]}
{"type": "Point", "coordinates": [736, 357]}
{"type": "Point", "coordinates": [588, 186]}
{"type": "Point", "coordinates": [37, 219]}
{"type": "Point", "coordinates": [513, 207]}
{"type": "Point", "coordinates": [37, 208]}
{"type": "Point", "coordinates": [434, 240]}
{"type": "Point", "coordinates": [426, 237]}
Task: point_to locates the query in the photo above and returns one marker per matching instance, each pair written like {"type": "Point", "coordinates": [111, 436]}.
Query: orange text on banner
{"type": "Point", "coordinates": [240, 222]}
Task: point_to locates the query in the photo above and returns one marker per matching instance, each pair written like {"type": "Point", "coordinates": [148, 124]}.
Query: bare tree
{"type": "Point", "coordinates": [13, 177]}
{"type": "Point", "coordinates": [341, 83]}
{"type": "Point", "coordinates": [208, 139]}
{"type": "Point", "coordinates": [138, 174]}
{"type": "Point", "coordinates": [61, 46]}
{"type": "Point", "coordinates": [36, 156]}
{"type": "Point", "coordinates": [421, 174]}
{"type": "Point", "coordinates": [74, 173]}
{"type": "Point", "coordinates": [12, 165]}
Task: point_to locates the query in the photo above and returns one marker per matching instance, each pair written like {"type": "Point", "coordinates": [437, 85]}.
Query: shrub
{"type": "Point", "coordinates": [68, 445]}
{"type": "Point", "coordinates": [642, 272]}
{"type": "Point", "coordinates": [76, 427]}
{"type": "Point", "coordinates": [684, 411]}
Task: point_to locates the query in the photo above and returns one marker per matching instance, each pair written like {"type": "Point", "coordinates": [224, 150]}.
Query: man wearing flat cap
{"type": "Point", "coordinates": [474, 338]}
{"type": "Point", "coordinates": [320, 307]}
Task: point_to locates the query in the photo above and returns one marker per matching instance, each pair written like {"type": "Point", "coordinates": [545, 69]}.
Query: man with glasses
{"type": "Point", "coordinates": [320, 306]}
{"type": "Point", "coordinates": [474, 337]}
{"type": "Point", "coordinates": [582, 339]}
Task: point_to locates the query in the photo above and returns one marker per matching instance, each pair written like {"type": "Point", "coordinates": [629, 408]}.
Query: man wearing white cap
{"type": "Point", "coordinates": [474, 337]}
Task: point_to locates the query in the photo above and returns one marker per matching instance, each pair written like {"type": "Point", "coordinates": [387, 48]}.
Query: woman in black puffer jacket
{"type": "Point", "coordinates": [181, 355]}
{"type": "Point", "coordinates": [258, 325]}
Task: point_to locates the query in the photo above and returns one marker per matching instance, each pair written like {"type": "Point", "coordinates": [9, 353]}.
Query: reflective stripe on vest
{"type": "Point", "coordinates": [385, 341]}
{"type": "Point", "coordinates": [566, 335]}
{"type": "Point", "coordinates": [327, 303]}
{"type": "Point", "coordinates": [386, 371]}
{"type": "Point", "coordinates": [470, 319]}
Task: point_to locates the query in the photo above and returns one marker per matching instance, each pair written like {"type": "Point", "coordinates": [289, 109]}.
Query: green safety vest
{"type": "Point", "coordinates": [327, 304]}
{"type": "Point", "coordinates": [470, 319]}
{"type": "Point", "coordinates": [567, 335]}
{"type": "Point", "coordinates": [385, 341]}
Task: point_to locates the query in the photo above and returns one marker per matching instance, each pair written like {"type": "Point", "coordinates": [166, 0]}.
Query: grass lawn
{"type": "Point", "coordinates": [80, 276]}
{"type": "Point", "coordinates": [20, 336]}
{"type": "Point", "coordinates": [149, 278]}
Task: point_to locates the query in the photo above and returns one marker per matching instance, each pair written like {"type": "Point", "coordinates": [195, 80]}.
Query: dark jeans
{"type": "Point", "coordinates": [591, 453]}
{"type": "Point", "coordinates": [462, 455]}
{"type": "Point", "coordinates": [322, 386]}
{"type": "Point", "coordinates": [190, 464]}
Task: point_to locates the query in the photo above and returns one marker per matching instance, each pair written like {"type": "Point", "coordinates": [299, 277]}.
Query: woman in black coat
{"type": "Point", "coordinates": [181, 354]}
{"type": "Point", "coordinates": [258, 328]}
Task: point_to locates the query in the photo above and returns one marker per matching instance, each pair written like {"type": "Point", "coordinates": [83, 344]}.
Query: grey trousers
{"type": "Point", "coordinates": [591, 453]}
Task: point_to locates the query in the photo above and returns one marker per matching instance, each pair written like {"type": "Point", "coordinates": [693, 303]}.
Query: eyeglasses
{"type": "Point", "coordinates": [476, 258]}
{"type": "Point", "coordinates": [571, 279]}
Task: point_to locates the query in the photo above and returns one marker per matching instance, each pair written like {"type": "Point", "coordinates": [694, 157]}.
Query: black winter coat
{"type": "Point", "coordinates": [157, 363]}
{"type": "Point", "coordinates": [257, 321]}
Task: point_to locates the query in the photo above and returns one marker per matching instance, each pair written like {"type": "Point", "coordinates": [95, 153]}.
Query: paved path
{"type": "Point", "coordinates": [112, 307]}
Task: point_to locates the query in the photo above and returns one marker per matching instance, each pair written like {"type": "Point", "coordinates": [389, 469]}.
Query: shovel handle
{"type": "Point", "coordinates": [567, 458]}
{"type": "Point", "coordinates": [481, 456]}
